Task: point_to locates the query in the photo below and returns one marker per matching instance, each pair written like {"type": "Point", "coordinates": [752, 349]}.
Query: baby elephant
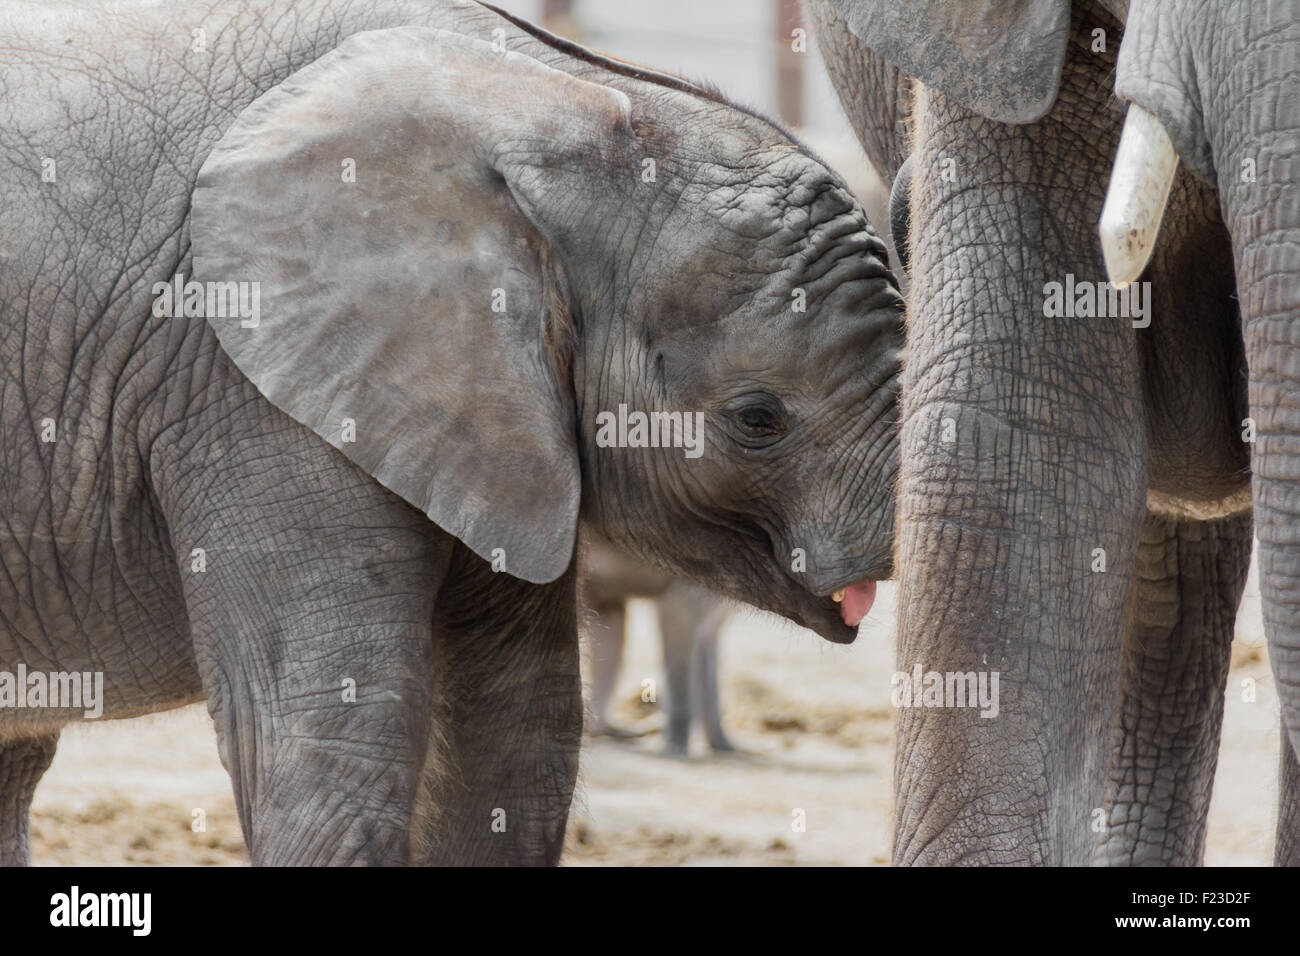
{"type": "Point", "coordinates": [316, 344]}
{"type": "Point", "coordinates": [690, 619]}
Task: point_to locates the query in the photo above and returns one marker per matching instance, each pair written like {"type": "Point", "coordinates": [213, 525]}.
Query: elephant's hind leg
{"type": "Point", "coordinates": [22, 763]}
{"type": "Point", "coordinates": [691, 619]}
{"type": "Point", "coordinates": [704, 688]}
{"type": "Point", "coordinates": [1190, 576]}
{"type": "Point", "coordinates": [677, 626]}
{"type": "Point", "coordinates": [605, 643]}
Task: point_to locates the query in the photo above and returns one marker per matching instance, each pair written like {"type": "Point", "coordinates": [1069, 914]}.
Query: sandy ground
{"type": "Point", "coordinates": [813, 721]}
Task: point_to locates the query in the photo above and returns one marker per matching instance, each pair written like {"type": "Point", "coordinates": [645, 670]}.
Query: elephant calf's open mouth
{"type": "Point", "coordinates": [855, 601]}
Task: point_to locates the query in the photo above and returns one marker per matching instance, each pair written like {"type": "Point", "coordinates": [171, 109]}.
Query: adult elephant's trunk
{"type": "Point", "coordinates": [1232, 108]}
{"type": "Point", "coordinates": [1261, 204]}
{"type": "Point", "coordinates": [1266, 247]}
{"type": "Point", "coordinates": [1009, 562]}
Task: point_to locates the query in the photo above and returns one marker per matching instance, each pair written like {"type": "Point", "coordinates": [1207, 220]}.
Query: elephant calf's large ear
{"type": "Point", "coordinates": [408, 310]}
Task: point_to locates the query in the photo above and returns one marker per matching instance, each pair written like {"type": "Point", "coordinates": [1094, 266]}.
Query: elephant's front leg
{"type": "Point", "coordinates": [310, 592]}
{"type": "Point", "coordinates": [317, 683]}
{"type": "Point", "coordinates": [1189, 581]}
{"type": "Point", "coordinates": [508, 718]}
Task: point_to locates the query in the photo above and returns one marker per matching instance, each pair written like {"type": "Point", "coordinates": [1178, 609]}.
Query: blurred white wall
{"type": "Point", "coordinates": [729, 43]}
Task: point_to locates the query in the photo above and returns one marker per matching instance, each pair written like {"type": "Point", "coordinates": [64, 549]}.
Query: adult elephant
{"type": "Point", "coordinates": [460, 286]}
{"type": "Point", "coordinates": [690, 621]}
{"type": "Point", "coordinates": [1075, 494]}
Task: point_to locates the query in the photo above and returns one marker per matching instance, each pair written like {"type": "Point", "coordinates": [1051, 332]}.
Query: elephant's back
{"type": "Point", "coordinates": [105, 120]}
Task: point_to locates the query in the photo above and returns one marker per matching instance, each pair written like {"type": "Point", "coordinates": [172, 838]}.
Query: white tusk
{"type": "Point", "coordinates": [1145, 164]}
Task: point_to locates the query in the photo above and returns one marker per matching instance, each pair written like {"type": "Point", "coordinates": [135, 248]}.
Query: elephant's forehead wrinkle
{"type": "Point", "coordinates": [747, 212]}
{"type": "Point", "coordinates": [779, 193]}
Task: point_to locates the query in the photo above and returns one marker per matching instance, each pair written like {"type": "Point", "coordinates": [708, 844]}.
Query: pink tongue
{"type": "Point", "coordinates": [858, 598]}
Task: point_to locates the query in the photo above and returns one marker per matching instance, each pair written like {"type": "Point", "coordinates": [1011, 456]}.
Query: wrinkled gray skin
{"type": "Point", "coordinates": [1078, 434]}
{"type": "Point", "coordinates": [690, 620]}
{"type": "Point", "coordinates": [474, 172]}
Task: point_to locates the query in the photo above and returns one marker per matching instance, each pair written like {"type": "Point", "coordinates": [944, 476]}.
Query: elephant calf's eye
{"type": "Point", "coordinates": [760, 419]}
